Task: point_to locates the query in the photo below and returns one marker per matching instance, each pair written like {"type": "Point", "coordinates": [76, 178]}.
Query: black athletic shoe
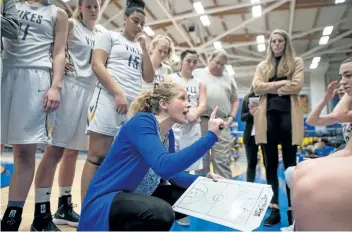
{"type": "Point", "coordinates": [65, 215]}
{"type": "Point", "coordinates": [274, 218]}
{"type": "Point", "coordinates": [12, 218]}
{"type": "Point", "coordinates": [44, 222]}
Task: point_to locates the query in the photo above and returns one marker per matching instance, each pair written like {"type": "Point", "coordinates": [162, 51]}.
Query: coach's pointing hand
{"type": "Point", "coordinates": [214, 123]}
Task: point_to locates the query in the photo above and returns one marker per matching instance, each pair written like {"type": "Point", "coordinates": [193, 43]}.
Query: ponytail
{"type": "Point", "coordinates": [142, 103]}
{"type": "Point", "coordinates": [79, 15]}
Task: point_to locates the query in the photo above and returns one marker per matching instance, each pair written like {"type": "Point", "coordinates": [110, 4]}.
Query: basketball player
{"type": "Point", "coordinates": [189, 133]}
{"type": "Point", "coordinates": [321, 187]}
{"type": "Point", "coordinates": [196, 97]}
{"type": "Point", "coordinates": [329, 171]}
{"type": "Point", "coordinates": [120, 61]}
{"type": "Point", "coordinates": [316, 119]}
{"type": "Point", "coordinates": [9, 27]}
{"type": "Point", "coordinates": [161, 50]}
{"type": "Point", "coordinates": [71, 118]}
{"type": "Point", "coordinates": [29, 95]}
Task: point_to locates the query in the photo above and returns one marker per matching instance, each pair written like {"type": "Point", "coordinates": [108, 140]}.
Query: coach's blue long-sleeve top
{"type": "Point", "coordinates": [136, 161]}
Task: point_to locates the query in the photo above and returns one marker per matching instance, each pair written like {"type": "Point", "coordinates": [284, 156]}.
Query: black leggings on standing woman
{"type": "Point", "coordinates": [135, 212]}
{"type": "Point", "coordinates": [279, 131]}
{"type": "Point", "coordinates": [252, 158]}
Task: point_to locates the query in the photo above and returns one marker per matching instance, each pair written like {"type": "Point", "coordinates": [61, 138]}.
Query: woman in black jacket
{"type": "Point", "coordinates": [248, 136]}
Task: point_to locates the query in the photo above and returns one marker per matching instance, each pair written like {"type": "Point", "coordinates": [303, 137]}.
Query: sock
{"type": "Point", "coordinates": [12, 218]}
{"type": "Point", "coordinates": [12, 212]}
{"type": "Point", "coordinates": [42, 208]}
{"type": "Point", "coordinates": [65, 191]}
{"type": "Point", "coordinates": [18, 204]}
{"type": "Point", "coordinates": [65, 201]}
{"type": "Point", "coordinates": [42, 195]}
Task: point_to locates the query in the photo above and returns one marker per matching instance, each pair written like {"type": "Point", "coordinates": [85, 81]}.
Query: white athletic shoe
{"type": "Point", "coordinates": [183, 221]}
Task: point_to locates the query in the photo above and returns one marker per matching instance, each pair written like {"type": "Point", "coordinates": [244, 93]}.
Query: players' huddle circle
{"type": "Point", "coordinates": [63, 79]}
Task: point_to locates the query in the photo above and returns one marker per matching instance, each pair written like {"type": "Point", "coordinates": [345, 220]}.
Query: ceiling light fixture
{"type": "Point", "coordinates": [205, 20]}
{"type": "Point", "coordinates": [217, 45]}
{"type": "Point", "coordinates": [198, 7]}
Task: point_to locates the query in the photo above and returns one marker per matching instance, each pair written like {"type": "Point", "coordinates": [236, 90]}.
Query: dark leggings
{"type": "Point", "coordinates": [279, 132]}
{"type": "Point", "coordinates": [252, 158]}
{"type": "Point", "coordinates": [136, 212]}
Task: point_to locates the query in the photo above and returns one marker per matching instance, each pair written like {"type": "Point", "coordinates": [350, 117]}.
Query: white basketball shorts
{"type": "Point", "coordinates": [71, 117]}
{"type": "Point", "coordinates": [102, 115]}
{"type": "Point", "coordinates": [186, 135]}
{"type": "Point", "coordinates": [23, 119]}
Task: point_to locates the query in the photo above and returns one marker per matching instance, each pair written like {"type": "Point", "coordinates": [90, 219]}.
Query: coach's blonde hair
{"type": "Point", "coordinates": [168, 40]}
{"type": "Point", "coordinates": [287, 62]}
{"type": "Point", "coordinates": [149, 100]}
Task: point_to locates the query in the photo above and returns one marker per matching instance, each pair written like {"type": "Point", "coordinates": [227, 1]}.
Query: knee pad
{"type": "Point", "coordinates": [98, 163]}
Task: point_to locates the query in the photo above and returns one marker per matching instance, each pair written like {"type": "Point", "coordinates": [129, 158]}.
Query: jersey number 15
{"type": "Point", "coordinates": [133, 62]}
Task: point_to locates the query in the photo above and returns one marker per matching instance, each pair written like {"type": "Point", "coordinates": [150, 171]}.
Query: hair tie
{"type": "Point", "coordinates": [156, 85]}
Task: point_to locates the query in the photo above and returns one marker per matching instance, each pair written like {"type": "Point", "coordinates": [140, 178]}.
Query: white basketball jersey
{"type": "Point", "coordinates": [160, 74]}
{"type": "Point", "coordinates": [192, 87]}
{"type": "Point", "coordinates": [347, 131]}
{"type": "Point", "coordinates": [80, 50]}
{"type": "Point", "coordinates": [36, 37]}
{"type": "Point", "coordinates": [124, 62]}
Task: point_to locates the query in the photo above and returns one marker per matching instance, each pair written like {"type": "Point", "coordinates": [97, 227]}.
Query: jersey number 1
{"type": "Point", "coordinates": [90, 56]}
{"type": "Point", "coordinates": [134, 62]}
{"type": "Point", "coordinates": [25, 31]}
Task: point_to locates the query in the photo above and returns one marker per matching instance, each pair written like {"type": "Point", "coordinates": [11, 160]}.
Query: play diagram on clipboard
{"type": "Point", "coordinates": [236, 204]}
